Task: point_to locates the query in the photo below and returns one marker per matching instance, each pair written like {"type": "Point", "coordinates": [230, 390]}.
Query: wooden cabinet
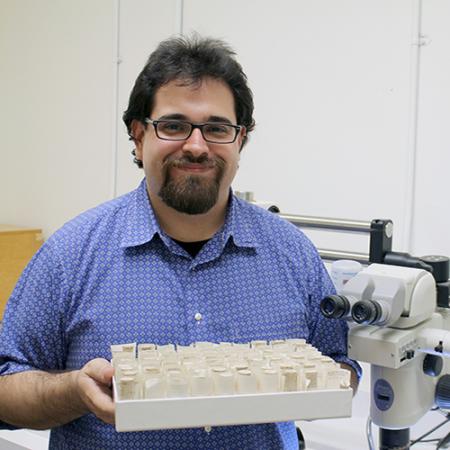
{"type": "Point", "coordinates": [17, 246]}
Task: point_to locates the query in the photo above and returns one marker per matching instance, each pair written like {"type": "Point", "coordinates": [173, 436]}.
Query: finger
{"type": "Point", "coordinates": [100, 370]}
{"type": "Point", "coordinates": [98, 399]}
{"type": "Point", "coordinates": [104, 408]}
{"type": "Point", "coordinates": [95, 381]}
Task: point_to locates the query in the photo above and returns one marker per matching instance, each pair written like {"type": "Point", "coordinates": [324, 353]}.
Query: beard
{"type": "Point", "coordinates": [192, 194]}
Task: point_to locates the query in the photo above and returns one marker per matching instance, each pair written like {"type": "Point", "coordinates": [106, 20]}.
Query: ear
{"type": "Point", "coordinates": [242, 138]}
{"type": "Point", "coordinates": [137, 133]}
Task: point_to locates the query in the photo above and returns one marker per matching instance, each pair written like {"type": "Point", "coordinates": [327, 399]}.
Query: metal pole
{"type": "Point", "coordinates": [334, 255]}
{"type": "Point", "coordinates": [380, 231]}
{"type": "Point", "coordinates": [357, 226]}
{"type": "Point", "coordinates": [328, 223]}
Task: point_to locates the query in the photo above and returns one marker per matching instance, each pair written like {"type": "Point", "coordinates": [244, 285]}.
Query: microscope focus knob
{"type": "Point", "coordinates": [442, 392]}
{"type": "Point", "coordinates": [432, 365]}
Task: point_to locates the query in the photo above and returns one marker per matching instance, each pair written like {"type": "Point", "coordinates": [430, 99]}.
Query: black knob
{"type": "Point", "coordinates": [440, 265]}
{"type": "Point", "coordinates": [442, 392]}
{"type": "Point", "coordinates": [273, 208]}
{"type": "Point", "coordinates": [432, 365]}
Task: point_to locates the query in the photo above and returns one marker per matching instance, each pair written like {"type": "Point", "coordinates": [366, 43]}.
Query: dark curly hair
{"type": "Point", "coordinates": [190, 59]}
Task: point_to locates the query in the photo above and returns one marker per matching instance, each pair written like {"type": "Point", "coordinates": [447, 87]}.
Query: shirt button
{"type": "Point", "coordinates": [198, 317]}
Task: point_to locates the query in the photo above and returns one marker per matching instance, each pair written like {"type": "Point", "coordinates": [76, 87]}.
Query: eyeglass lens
{"type": "Point", "coordinates": [213, 132]}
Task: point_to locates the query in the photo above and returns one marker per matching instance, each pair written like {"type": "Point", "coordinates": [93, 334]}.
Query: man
{"type": "Point", "coordinates": [178, 260]}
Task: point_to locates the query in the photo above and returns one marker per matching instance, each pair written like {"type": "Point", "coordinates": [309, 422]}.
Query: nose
{"type": "Point", "coordinates": [195, 143]}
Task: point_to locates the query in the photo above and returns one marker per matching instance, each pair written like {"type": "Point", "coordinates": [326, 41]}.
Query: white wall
{"type": "Point", "coordinates": [431, 224]}
{"type": "Point", "coordinates": [55, 110]}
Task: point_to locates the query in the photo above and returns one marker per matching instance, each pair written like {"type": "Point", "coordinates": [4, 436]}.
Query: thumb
{"type": "Point", "coordinates": [100, 370]}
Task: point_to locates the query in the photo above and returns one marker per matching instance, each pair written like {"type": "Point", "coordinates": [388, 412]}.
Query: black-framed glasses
{"type": "Point", "coordinates": [179, 130]}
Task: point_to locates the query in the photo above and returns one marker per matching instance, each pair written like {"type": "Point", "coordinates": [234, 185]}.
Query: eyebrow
{"type": "Point", "coordinates": [177, 116]}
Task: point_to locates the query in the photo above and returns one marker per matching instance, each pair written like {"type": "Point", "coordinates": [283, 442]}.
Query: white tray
{"type": "Point", "coordinates": [190, 412]}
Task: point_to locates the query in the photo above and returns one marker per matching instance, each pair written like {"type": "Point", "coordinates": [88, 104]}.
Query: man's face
{"type": "Point", "coordinates": [189, 175]}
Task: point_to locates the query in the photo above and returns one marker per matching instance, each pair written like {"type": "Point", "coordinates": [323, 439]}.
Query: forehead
{"type": "Point", "coordinates": [197, 101]}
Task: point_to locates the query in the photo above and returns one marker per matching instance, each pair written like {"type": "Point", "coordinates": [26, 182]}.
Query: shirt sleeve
{"type": "Point", "coordinates": [32, 336]}
{"type": "Point", "coordinates": [328, 335]}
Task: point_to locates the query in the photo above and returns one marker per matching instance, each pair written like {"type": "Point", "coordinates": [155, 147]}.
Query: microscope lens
{"type": "Point", "coordinates": [365, 312]}
{"type": "Point", "coordinates": [359, 312]}
{"type": "Point", "coordinates": [334, 306]}
{"type": "Point", "coordinates": [328, 307]}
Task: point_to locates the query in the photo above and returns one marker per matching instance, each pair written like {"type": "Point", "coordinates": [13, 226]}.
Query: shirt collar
{"type": "Point", "coordinates": [238, 224]}
{"type": "Point", "coordinates": [142, 224]}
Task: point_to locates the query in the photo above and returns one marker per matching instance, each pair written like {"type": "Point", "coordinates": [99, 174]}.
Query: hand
{"type": "Point", "coordinates": [354, 382]}
{"type": "Point", "coordinates": [93, 383]}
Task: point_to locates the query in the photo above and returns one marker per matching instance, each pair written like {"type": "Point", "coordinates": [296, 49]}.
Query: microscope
{"type": "Point", "coordinates": [401, 322]}
{"type": "Point", "coordinates": [398, 309]}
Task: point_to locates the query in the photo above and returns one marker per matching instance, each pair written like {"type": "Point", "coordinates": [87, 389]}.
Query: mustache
{"type": "Point", "coordinates": [188, 158]}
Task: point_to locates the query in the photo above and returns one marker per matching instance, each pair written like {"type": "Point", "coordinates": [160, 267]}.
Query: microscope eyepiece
{"type": "Point", "coordinates": [366, 312]}
{"type": "Point", "coordinates": [335, 306]}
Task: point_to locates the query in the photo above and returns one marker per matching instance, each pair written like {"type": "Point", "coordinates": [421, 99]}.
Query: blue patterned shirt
{"type": "Point", "coordinates": [112, 275]}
